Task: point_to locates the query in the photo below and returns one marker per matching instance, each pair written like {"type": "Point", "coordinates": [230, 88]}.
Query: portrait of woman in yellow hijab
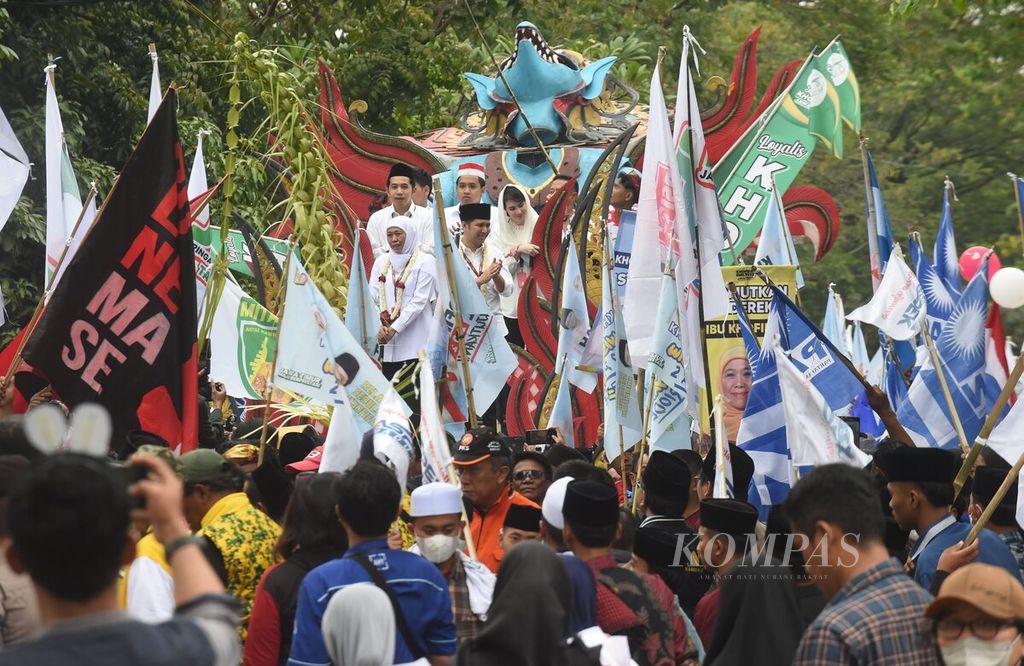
{"type": "Point", "coordinates": [734, 382]}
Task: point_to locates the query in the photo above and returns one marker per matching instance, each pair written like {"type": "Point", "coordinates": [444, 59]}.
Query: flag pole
{"type": "Point", "coordinates": [988, 427]}
{"type": "Point", "coordinates": [1020, 210]}
{"type": "Point", "coordinates": [622, 465]}
{"type": "Point", "coordinates": [1004, 487]}
{"type": "Point", "coordinates": [934, 354]}
{"type": "Point", "coordinates": [720, 444]}
{"type": "Point", "coordinates": [456, 307]}
{"type": "Point", "coordinates": [872, 221]}
{"type": "Point", "coordinates": [643, 436]}
{"type": "Point", "coordinates": [45, 296]}
{"type": "Point", "coordinates": [282, 293]}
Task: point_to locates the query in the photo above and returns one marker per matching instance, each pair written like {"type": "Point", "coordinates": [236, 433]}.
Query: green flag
{"type": "Point", "coordinates": [779, 143]}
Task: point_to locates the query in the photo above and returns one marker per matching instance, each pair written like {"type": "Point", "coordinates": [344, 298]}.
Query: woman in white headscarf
{"type": "Point", "coordinates": [513, 238]}
{"type": "Point", "coordinates": [402, 286]}
{"type": "Point", "coordinates": [359, 627]}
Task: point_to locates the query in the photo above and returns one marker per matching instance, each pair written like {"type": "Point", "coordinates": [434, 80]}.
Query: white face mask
{"type": "Point", "coordinates": [438, 548]}
{"type": "Point", "coordinates": [972, 651]}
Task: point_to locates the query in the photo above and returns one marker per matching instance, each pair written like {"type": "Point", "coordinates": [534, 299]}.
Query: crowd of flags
{"type": "Point", "coordinates": [934, 332]}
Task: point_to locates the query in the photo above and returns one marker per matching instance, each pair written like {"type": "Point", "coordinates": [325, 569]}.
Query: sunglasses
{"type": "Point", "coordinates": [524, 474]}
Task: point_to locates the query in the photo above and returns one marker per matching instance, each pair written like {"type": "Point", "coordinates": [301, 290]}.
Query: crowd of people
{"type": "Point", "coordinates": [216, 557]}
{"type": "Point", "coordinates": [240, 552]}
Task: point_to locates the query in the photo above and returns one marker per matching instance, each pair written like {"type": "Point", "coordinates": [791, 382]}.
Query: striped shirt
{"type": "Point", "coordinates": [421, 590]}
{"type": "Point", "coordinates": [877, 618]}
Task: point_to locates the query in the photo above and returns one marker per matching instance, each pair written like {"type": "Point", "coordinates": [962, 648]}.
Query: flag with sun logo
{"type": "Point", "coordinates": [939, 297]}
{"type": "Point", "coordinates": [961, 350]}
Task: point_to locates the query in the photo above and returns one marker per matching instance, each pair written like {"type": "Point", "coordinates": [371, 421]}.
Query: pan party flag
{"type": "Point", "coordinates": [120, 329]}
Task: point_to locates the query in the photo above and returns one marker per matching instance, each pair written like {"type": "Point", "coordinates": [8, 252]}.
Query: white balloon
{"type": "Point", "coordinates": [1007, 288]}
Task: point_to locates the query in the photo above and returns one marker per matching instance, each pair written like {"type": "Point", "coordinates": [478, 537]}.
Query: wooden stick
{"type": "Point", "coordinates": [1020, 210]}
{"type": "Point", "coordinates": [643, 436]}
{"type": "Point", "coordinates": [988, 427]}
{"type": "Point", "coordinates": [1004, 487]}
{"type": "Point", "coordinates": [874, 258]}
{"type": "Point", "coordinates": [622, 466]}
{"type": "Point", "coordinates": [720, 445]}
{"type": "Point", "coordinates": [930, 344]}
{"type": "Point", "coordinates": [282, 293]}
{"type": "Point", "coordinates": [37, 314]}
{"type": "Point", "coordinates": [460, 334]}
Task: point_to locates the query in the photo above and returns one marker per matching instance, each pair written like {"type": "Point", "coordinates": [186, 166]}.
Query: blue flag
{"type": "Point", "coordinates": [762, 432]}
{"type": "Point", "coordinates": [947, 261]}
{"type": "Point", "coordinates": [814, 355]}
{"type": "Point", "coordinates": [895, 387]}
{"type": "Point", "coordinates": [775, 245]}
{"type": "Point", "coordinates": [747, 332]}
{"type": "Point", "coordinates": [883, 230]}
{"type": "Point", "coordinates": [939, 297]}
{"type": "Point", "coordinates": [961, 350]}
{"type": "Point", "coordinates": [361, 318]}
{"type": "Point", "coordinates": [835, 319]}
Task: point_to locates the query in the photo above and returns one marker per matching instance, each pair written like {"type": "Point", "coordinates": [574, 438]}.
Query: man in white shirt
{"type": "Point", "coordinates": [422, 188]}
{"type": "Point", "coordinates": [470, 180]}
{"type": "Point", "coordinates": [483, 259]}
{"type": "Point", "coordinates": [400, 191]}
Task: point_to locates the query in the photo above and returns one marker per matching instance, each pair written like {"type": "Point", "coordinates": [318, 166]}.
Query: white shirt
{"type": "Point", "coordinates": [150, 595]}
{"type": "Point", "coordinates": [377, 228]}
{"type": "Point", "coordinates": [412, 327]}
{"type": "Point", "coordinates": [515, 264]}
{"type": "Point", "coordinates": [480, 259]}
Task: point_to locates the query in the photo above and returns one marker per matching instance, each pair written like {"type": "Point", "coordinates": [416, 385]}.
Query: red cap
{"type": "Point", "coordinates": [310, 463]}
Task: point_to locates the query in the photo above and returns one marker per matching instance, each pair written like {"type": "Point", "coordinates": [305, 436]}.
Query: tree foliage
{"type": "Point", "coordinates": [941, 88]}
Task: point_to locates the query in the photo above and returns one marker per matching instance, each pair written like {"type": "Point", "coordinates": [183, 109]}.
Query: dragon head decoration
{"type": "Point", "coordinates": [549, 85]}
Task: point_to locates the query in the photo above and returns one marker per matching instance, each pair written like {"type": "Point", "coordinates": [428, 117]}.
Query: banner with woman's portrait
{"type": "Point", "coordinates": [728, 367]}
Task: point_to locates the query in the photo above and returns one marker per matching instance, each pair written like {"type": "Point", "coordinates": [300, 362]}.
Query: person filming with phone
{"type": "Point", "coordinates": [69, 522]}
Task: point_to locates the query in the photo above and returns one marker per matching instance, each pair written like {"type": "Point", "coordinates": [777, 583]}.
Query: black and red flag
{"type": "Point", "coordinates": [120, 329]}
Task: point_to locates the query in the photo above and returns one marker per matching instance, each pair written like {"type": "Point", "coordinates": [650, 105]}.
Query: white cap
{"type": "Point", "coordinates": [435, 499]}
{"type": "Point", "coordinates": [553, 499]}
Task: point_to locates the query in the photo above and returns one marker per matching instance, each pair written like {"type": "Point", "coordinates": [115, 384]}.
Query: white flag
{"type": "Point", "coordinates": [1007, 438]}
{"type": "Point", "coordinates": [392, 436]}
{"type": "Point", "coordinates": [197, 185]}
{"type": "Point", "coordinates": [317, 355]}
{"type": "Point", "coordinates": [897, 308]}
{"type": "Point", "coordinates": [433, 441]}
{"type": "Point", "coordinates": [341, 445]}
{"type": "Point", "coordinates": [573, 323]}
{"type": "Point", "coordinates": [14, 167]}
{"type": "Point", "coordinates": [63, 199]}
{"type": "Point", "coordinates": [155, 93]}
{"type": "Point", "coordinates": [816, 436]}
{"type": "Point", "coordinates": [660, 218]}
{"type": "Point", "coordinates": [694, 168]}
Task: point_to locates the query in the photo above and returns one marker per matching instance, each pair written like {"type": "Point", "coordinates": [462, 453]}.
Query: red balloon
{"type": "Point", "coordinates": [971, 259]}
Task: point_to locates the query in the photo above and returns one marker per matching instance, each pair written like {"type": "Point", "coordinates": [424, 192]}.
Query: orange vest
{"type": "Point", "coordinates": [485, 528]}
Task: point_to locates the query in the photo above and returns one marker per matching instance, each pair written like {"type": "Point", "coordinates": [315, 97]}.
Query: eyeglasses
{"type": "Point", "coordinates": [524, 474]}
{"type": "Point", "coordinates": [950, 629]}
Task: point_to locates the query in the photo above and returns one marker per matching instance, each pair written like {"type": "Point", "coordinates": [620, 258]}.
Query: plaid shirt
{"type": "Point", "coordinates": [1014, 540]}
{"type": "Point", "coordinates": [876, 618]}
{"type": "Point", "coordinates": [467, 624]}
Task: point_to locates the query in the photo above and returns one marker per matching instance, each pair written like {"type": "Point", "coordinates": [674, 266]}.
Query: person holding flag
{"type": "Point", "coordinates": [402, 284]}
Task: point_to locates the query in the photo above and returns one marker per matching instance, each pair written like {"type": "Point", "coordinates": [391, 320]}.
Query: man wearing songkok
{"type": "Point", "coordinates": [522, 523]}
{"type": "Point", "coordinates": [402, 284]}
{"type": "Point", "coordinates": [436, 510]}
{"type": "Point", "coordinates": [1003, 520]}
{"type": "Point", "coordinates": [757, 619]}
{"type": "Point", "coordinates": [484, 465]}
{"type": "Point", "coordinates": [921, 483]}
{"type": "Point", "coordinates": [665, 489]}
{"type": "Point", "coordinates": [978, 617]}
{"type": "Point", "coordinates": [399, 187]}
{"type": "Point", "coordinates": [583, 609]}
{"type": "Point", "coordinates": [640, 607]}
{"type": "Point", "coordinates": [742, 473]}
{"type": "Point", "coordinates": [874, 612]}
{"type": "Point", "coordinates": [484, 259]}
{"type": "Point", "coordinates": [695, 464]}
{"type": "Point", "coordinates": [470, 180]}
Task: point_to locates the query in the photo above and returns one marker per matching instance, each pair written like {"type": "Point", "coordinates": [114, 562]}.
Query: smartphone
{"type": "Point", "coordinates": [854, 423]}
{"type": "Point", "coordinates": [540, 437]}
{"type": "Point", "coordinates": [129, 475]}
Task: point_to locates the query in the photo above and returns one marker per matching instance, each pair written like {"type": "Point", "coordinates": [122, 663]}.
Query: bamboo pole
{"type": "Point", "coordinates": [1020, 210]}
{"type": "Point", "coordinates": [47, 292]}
{"type": "Point", "coordinates": [937, 362]}
{"type": "Point", "coordinates": [1004, 487]}
{"type": "Point", "coordinates": [282, 293]}
{"type": "Point", "coordinates": [720, 446]}
{"type": "Point", "coordinates": [874, 258]}
{"type": "Point", "coordinates": [988, 427]}
{"type": "Point", "coordinates": [460, 333]}
{"type": "Point", "coordinates": [641, 447]}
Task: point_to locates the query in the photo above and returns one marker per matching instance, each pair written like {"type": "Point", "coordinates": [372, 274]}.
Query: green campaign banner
{"type": "Point", "coordinates": [824, 94]}
{"type": "Point", "coordinates": [239, 259]}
